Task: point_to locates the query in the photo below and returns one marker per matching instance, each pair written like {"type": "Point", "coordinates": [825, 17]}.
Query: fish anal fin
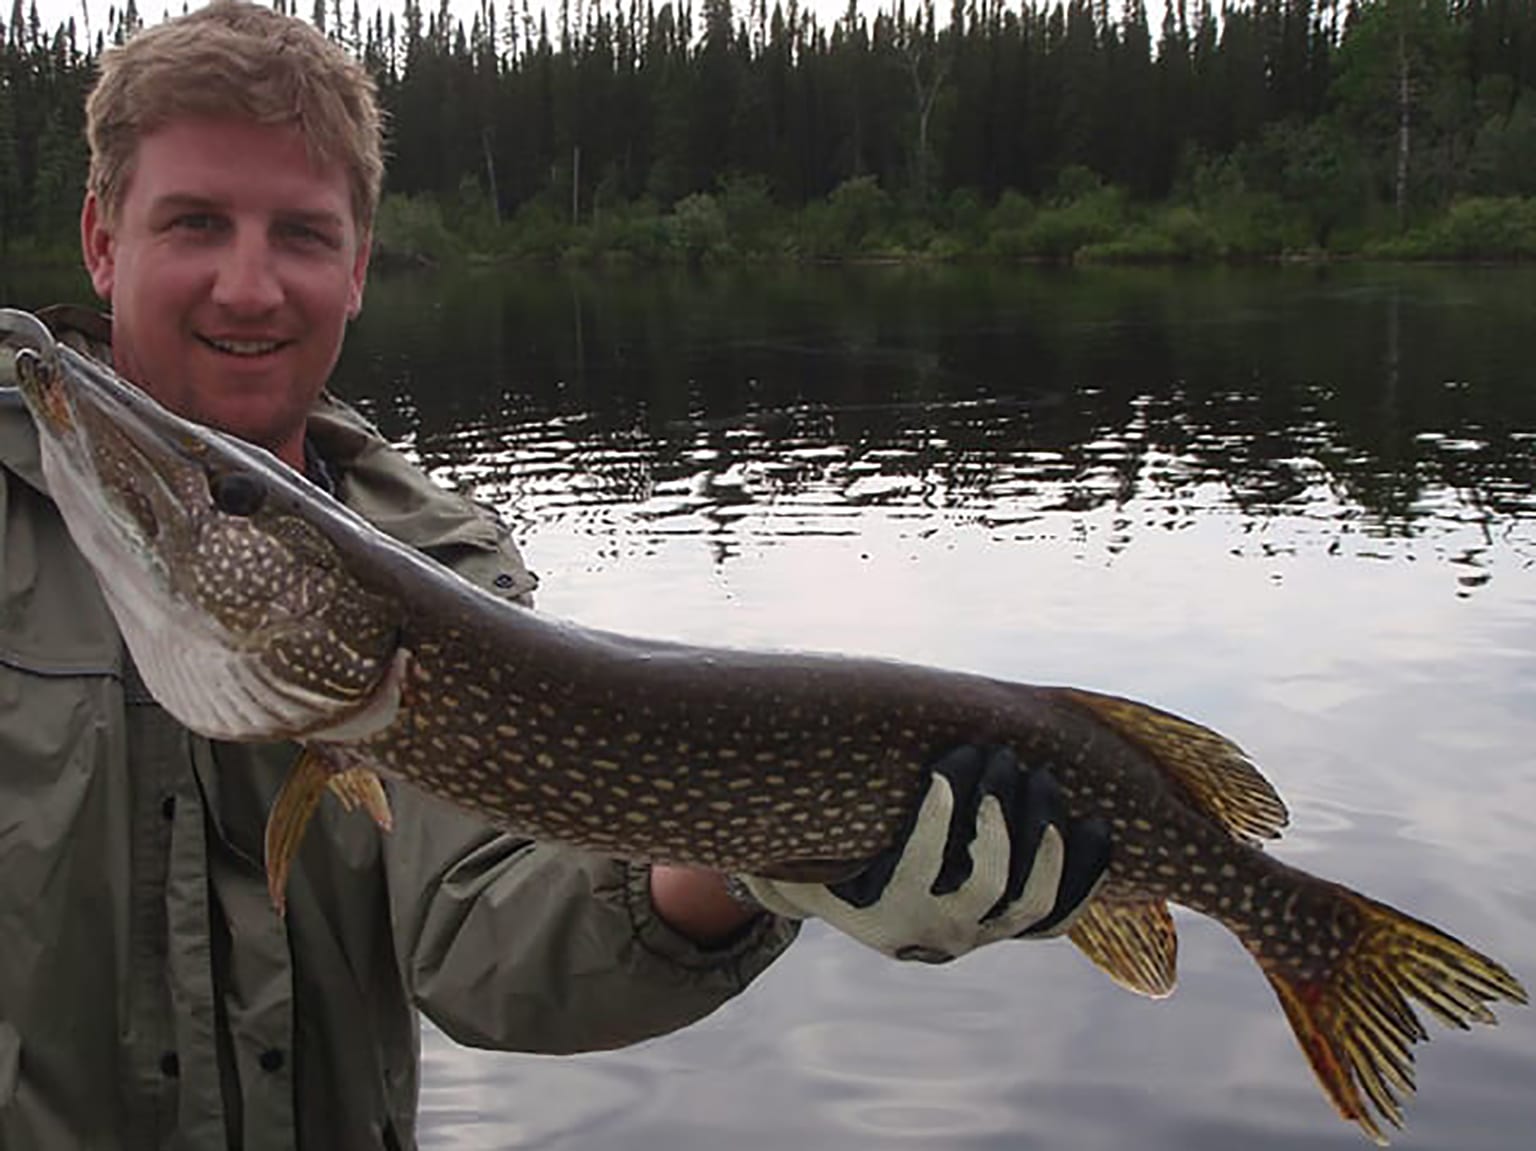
{"type": "Point", "coordinates": [1214, 772]}
{"type": "Point", "coordinates": [1133, 941]}
{"type": "Point", "coordinates": [1354, 1021]}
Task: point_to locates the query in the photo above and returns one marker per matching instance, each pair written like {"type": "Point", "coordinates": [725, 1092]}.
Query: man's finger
{"type": "Point", "coordinates": [963, 770]}
{"type": "Point", "coordinates": [1087, 852]}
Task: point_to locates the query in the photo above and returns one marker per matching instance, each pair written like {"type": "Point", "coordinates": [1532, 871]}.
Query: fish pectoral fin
{"type": "Point", "coordinates": [1133, 941]}
{"type": "Point", "coordinates": [312, 775]}
{"type": "Point", "coordinates": [1217, 774]}
{"type": "Point", "coordinates": [360, 787]}
{"type": "Point", "coordinates": [291, 812]}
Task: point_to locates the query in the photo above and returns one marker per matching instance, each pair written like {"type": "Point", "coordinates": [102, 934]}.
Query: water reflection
{"type": "Point", "coordinates": [1306, 412]}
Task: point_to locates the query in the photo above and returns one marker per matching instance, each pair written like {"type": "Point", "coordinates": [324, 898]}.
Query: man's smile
{"type": "Point", "coordinates": [246, 348]}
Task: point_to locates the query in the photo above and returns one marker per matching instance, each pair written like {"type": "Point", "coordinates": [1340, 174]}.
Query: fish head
{"type": "Point", "coordinates": [241, 614]}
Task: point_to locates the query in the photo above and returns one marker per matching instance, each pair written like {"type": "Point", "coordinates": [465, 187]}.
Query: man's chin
{"type": "Point", "coordinates": [275, 430]}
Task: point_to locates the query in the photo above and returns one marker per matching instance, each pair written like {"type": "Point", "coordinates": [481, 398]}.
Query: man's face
{"type": "Point", "coordinates": [232, 268]}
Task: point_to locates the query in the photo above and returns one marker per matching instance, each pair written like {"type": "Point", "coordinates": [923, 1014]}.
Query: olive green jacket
{"type": "Point", "coordinates": [150, 997]}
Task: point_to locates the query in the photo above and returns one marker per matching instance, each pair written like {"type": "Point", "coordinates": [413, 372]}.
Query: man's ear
{"type": "Point", "coordinates": [98, 246]}
{"type": "Point", "coordinates": [360, 272]}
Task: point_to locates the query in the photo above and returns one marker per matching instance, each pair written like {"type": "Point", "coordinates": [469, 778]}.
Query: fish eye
{"type": "Point", "coordinates": [237, 494]}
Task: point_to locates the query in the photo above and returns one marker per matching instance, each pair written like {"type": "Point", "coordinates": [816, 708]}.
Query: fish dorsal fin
{"type": "Point", "coordinates": [1214, 771]}
{"type": "Point", "coordinates": [1133, 941]}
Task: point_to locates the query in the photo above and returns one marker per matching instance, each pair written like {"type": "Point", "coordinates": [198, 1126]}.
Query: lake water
{"type": "Point", "coordinates": [1294, 504]}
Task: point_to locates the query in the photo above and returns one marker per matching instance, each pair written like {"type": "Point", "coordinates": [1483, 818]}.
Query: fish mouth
{"type": "Point", "coordinates": [50, 399]}
{"type": "Point", "coordinates": [38, 371]}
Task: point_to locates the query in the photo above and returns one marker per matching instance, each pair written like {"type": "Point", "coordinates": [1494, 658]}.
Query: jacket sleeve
{"type": "Point", "coordinates": [528, 947]}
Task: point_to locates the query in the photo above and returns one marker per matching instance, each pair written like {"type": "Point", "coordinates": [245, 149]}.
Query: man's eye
{"type": "Point", "coordinates": [198, 226]}
{"type": "Point", "coordinates": [304, 234]}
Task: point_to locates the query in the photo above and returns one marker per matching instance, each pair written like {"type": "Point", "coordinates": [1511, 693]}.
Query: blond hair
{"type": "Point", "coordinates": [243, 61]}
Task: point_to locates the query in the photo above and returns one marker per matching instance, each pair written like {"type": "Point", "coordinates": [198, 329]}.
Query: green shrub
{"type": "Point", "coordinates": [1478, 228]}
{"type": "Point", "coordinates": [1189, 232]}
{"type": "Point", "coordinates": [696, 227]}
{"type": "Point", "coordinates": [966, 216]}
{"type": "Point", "coordinates": [1013, 210]}
{"type": "Point", "coordinates": [539, 231]}
{"type": "Point", "coordinates": [411, 229]}
{"type": "Point", "coordinates": [858, 210]}
{"type": "Point", "coordinates": [630, 234]}
{"type": "Point", "coordinates": [1008, 244]}
{"type": "Point", "coordinates": [1058, 232]}
{"type": "Point", "coordinates": [1141, 245]}
{"type": "Point", "coordinates": [750, 216]}
{"type": "Point", "coordinates": [1489, 228]}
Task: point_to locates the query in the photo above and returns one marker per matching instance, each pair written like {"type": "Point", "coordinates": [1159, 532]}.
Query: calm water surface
{"type": "Point", "coordinates": [1295, 505]}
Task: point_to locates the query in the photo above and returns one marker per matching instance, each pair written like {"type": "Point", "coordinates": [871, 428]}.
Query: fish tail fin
{"type": "Point", "coordinates": [1355, 1022]}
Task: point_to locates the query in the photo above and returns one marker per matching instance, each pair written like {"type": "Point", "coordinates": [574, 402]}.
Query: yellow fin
{"type": "Point", "coordinates": [1216, 774]}
{"type": "Point", "coordinates": [360, 787]}
{"type": "Point", "coordinates": [311, 776]}
{"type": "Point", "coordinates": [290, 815]}
{"type": "Point", "coordinates": [1355, 1022]}
{"type": "Point", "coordinates": [1133, 941]}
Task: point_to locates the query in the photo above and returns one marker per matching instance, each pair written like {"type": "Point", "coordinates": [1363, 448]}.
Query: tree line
{"type": "Point", "coordinates": [1043, 129]}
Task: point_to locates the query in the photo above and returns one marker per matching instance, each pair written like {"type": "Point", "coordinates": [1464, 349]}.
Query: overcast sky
{"type": "Point", "coordinates": [54, 12]}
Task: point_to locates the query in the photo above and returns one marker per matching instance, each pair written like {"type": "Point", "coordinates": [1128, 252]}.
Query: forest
{"type": "Point", "coordinates": [626, 130]}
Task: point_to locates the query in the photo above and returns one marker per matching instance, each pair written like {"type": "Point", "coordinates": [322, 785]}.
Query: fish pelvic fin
{"type": "Point", "coordinates": [1133, 941]}
{"type": "Point", "coordinates": [1356, 1025]}
{"type": "Point", "coordinates": [312, 775]}
{"type": "Point", "coordinates": [1214, 772]}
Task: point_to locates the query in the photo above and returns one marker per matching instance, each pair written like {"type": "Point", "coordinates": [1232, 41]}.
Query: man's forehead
{"type": "Point", "coordinates": [234, 161]}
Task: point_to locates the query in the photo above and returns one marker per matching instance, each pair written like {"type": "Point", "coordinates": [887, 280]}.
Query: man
{"type": "Point", "coordinates": [149, 995]}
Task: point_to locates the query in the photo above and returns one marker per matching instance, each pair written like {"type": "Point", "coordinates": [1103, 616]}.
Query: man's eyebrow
{"type": "Point", "coordinates": [318, 218]}
{"type": "Point", "coordinates": [190, 202]}
{"type": "Point", "coordinates": [182, 202]}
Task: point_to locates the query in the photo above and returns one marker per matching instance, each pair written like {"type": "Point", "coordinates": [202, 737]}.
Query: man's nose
{"type": "Point", "coordinates": [247, 278]}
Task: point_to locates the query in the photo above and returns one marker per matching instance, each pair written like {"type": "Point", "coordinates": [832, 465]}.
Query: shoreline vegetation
{"type": "Point", "coordinates": [859, 223]}
{"type": "Point", "coordinates": [694, 132]}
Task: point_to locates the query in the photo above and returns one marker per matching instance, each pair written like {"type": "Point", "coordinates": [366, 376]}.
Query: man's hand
{"type": "Point", "coordinates": [990, 855]}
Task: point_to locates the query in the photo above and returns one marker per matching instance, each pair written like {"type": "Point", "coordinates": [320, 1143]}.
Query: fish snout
{"type": "Point", "coordinates": [41, 384]}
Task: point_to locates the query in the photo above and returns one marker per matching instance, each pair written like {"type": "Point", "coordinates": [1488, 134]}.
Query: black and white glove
{"type": "Point", "coordinates": [990, 855]}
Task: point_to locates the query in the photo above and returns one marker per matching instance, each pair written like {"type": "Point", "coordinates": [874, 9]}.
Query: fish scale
{"type": "Point", "coordinates": [298, 620]}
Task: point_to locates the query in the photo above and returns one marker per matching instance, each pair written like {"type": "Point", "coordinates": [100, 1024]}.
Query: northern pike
{"type": "Point", "coordinates": [256, 607]}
